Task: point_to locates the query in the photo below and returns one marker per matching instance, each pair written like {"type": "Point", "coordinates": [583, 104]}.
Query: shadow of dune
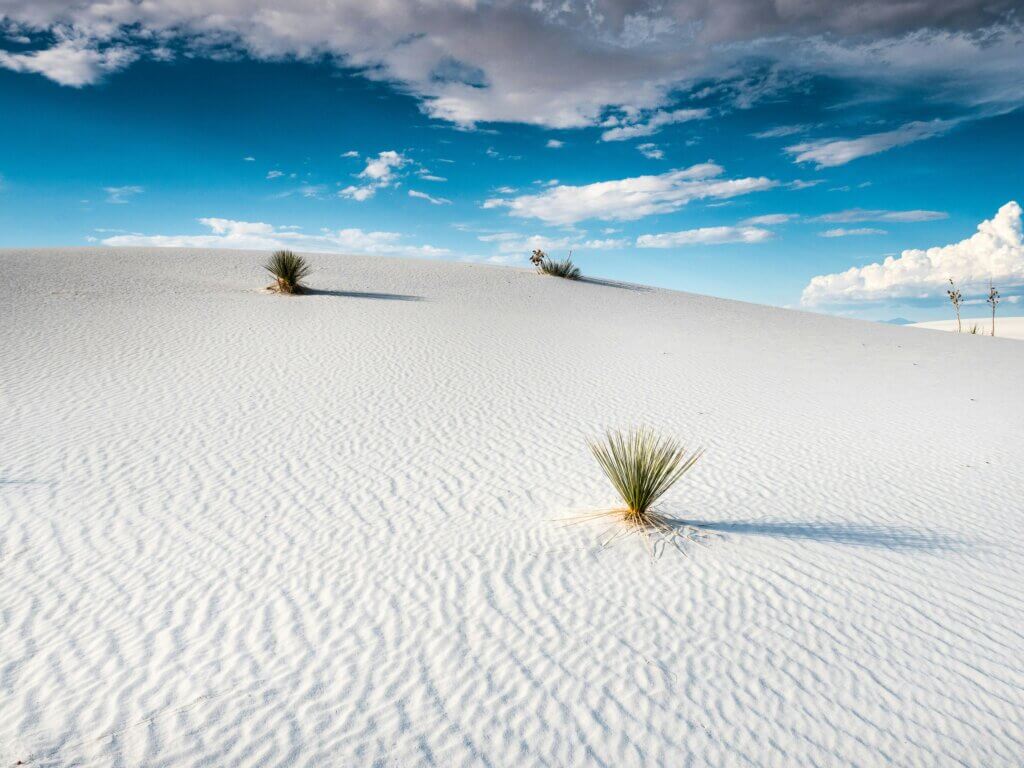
{"type": "Point", "coordinates": [364, 295]}
{"type": "Point", "coordinates": [614, 284]}
{"type": "Point", "coordinates": [851, 534]}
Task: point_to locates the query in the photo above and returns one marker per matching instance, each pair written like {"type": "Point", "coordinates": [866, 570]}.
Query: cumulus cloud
{"type": "Point", "coordinates": [650, 151]}
{"type": "Point", "coordinates": [429, 198]}
{"type": "Point", "coordinates": [631, 198]}
{"type": "Point", "coordinates": [70, 62]}
{"type": "Point", "coordinates": [554, 144]}
{"type": "Point", "coordinates": [254, 235]}
{"type": "Point", "coordinates": [705, 236]}
{"type": "Point", "coordinates": [552, 64]}
{"type": "Point", "coordinates": [630, 127]}
{"type": "Point", "coordinates": [827, 153]}
{"type": "Point", "coordinates": [861, 214]}
{"type": "Point", "coordinates": [380, 172]}
{"type": "Point", "coordinates": [121, 195]}
{"type": "Point", "coordinates": [844, 232]}
{"type": "Point", "coordinates": [995, 251]}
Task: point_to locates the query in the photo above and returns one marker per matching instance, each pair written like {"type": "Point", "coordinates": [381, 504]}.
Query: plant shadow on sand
{"type": "Point", "coordinates": [677, 533]}
{"type": "Point", "coordinates": [614, 284]}
{"type": "Point", "coordinates": [363, 295]}
{"type": "Point", "coordinates": [850, 534]}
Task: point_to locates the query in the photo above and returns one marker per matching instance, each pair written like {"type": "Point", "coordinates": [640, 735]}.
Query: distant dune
{"type": "Point", "coordinates": [1006, 327]}
{"type": "Point", "coordinates": [248, 529]}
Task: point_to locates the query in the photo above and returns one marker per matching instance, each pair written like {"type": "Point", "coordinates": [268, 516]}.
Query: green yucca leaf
{"type": "Point", "coordinates": [564, 268]}
{"type": "Point", "coordinates": [642, 466]}
{"type": "Point", "coordinates": [289, 269]}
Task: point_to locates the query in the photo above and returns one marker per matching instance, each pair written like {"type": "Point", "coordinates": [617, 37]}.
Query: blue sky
{"type": "Point", "coordinates": [756, 177]}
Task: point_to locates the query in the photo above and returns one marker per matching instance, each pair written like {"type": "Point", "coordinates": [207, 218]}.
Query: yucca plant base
{"type": "Point", "coordinates": [642, 467]}
{"type": "Point", "coordinates": [289, 270]}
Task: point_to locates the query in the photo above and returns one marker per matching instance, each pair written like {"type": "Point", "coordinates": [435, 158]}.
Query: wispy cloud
{"type": "Point", "coordinates": [994, 252]}
{"type": "Point", "coordinates": [632, 126]}
{"type": "Point", "coordinates": [554, 144]}
{"type": "Point", "coordinates": [843, 232]}
{"type": "Point", "coordinates": [705, 236]}
{"type": "Point", "coordinates": [429, 198]}
{"type": "Point", "coordinates": [631, 198]}
{"type": "Point", "coordinates": [862, 214]}
{"type": "Point", "coordinates": [781, 131]}
{"type": "Point", "coordinates": [770, 219]}
{"type": "Point", "coordinates": [122, 195]}
{"type": "Point", "coordinates": [827, 153]}
{"type": "Point", "coordinates": [515, 243]}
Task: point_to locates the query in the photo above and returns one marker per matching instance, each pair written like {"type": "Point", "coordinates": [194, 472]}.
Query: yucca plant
{"type": "Point", "coordinates": [642, 467]}
{"type": "Point", "coordinates": [288, 269]}
{"type": "Point", "coordinates": [564, 268]}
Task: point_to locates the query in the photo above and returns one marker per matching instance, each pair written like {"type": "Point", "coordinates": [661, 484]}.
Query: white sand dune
{"type": "Point", "coordinates": [246, 529]}
{"type": "Point", "coordinates": [1006, 327]}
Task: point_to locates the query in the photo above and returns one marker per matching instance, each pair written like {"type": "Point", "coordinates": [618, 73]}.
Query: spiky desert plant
{"type": "Point", "coordinates": [955, 299]}
{"type": "Point", "coordinates": [974, 330]}
{"type": "Point", "coordinates": [289, 269]}
{"type": "Point", "coordinates": [642, 466]}
{"type": "Point", "coordinates": [992, 300]}
{"type": "Point", "coordinates": [564, 268]}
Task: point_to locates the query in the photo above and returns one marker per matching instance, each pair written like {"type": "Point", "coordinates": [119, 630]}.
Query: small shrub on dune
{"type": "Point", "coordinates": [289, 270]}
{"type": "Point", "coordinates": [642, 467]}
{"type": "Point", "coordinates": [548, 266]}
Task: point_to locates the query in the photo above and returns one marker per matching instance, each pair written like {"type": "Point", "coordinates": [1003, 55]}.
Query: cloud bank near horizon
{"type": "Point", "coordinates": [995, 252]}
{"type": "Point", "coordinates": [259, 236]}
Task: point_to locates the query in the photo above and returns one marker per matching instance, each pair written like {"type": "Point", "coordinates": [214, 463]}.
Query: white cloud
{"type": "Point", "coordinates": [804, 183]}
{"type": "Point", "coordinates": [843, 232]}
{"type": "Point", "coordinates": [70, 62]}
{"type": "Point", "coordinates": [121, 195]}
{"type": "Point", "coordinates": [650, 151]}
{"type": "Point", "coordinates": [554, 144]}
{"type": "Point", "coordinates": [429, 198]}
{"type": "Point", "coordinates": [705, 236]}
{"type": "Point", "coordinates": [249, 159]}
{"type": "Point", "coordinates": [274, 174]}
{"type": "Point", "coordinates": [770, 219]}
{"type": "Point", "coordinates": [827, 153]}
{"type": "Point", "coordinates": [381, 169]}
{"type": "Point", "coordinates": [861, 214]}
{"type": "Point", "coordinates": [350, 153]}
{"type": "Point", "coordinates": [511, 243]}
{"type": "Point", "coordinates": [781, 131]}
{"type": "Point", "coordinates": [380, 172]}
{"type": "Point", "coordinates": [258, 236]}
{"type": "Point", "coordinates": [631, 198]}
{"type": "Point", "coordinates": [555, 64]}
{"type": "Point", "coordinates": [995, 251]}
{"type": "Point", "coordinates": [631, 127]}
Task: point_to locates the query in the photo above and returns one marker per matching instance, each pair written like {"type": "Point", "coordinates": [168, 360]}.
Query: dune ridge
{"type": "Point", "coordinates": [248, 529]}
